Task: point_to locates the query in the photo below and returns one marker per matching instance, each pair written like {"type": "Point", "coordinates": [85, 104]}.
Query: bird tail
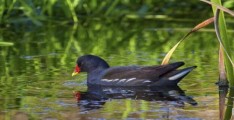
{"type": "Point", "coordinates": [174, 77]}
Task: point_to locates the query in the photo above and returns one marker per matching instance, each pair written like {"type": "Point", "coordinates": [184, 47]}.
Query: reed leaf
{"type": "Point", "coordinates": [222, 72]}
{"type": "Point", "coordinates": [196, 28]}
{"type": "Point", "coordinates": [202, 24]}
{"type": "Point", "coordinates": [30, 12]}
{"type": "Point", "coordinates": [72, 6]}
{"type": "Point", "coordinates": [220, 40]}
{"type": "Point", "coordinates": [49, 6]}
{"type": "Point", "coordinates": [112, 6]}
{"type": "Point", "coordinates": [216, 24]}
{"type": "Point", "coordinates": [10, 8]}
{"type": "Point", "coordinates": [219, 6]}
{"type": "Point", "coordinates": [169, 54]}
{"type": "Point", "coordinates": [6, 44]}
{"type": "Point", "coordinates": [225, 43]}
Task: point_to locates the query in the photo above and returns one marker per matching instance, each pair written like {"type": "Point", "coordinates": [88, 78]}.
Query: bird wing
{"type": "Point", "coordinates": [137, 75]}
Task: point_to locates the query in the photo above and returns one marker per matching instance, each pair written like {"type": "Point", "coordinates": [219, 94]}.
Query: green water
{"type": "Point", "coordinates": [35, 73]}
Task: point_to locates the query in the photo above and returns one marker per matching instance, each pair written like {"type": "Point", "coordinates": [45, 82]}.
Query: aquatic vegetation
{"type": "Point", "coordinates": [37, 12]}
{"type": "Point", "coordinates": [225, 43]}
{"type": "Point", "coordinates": [40, 39]}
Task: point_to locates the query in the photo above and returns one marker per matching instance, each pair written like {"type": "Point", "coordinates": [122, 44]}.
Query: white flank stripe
{"type": "Point", "coordinates": [122, 80]}
{"type": "Point", "coordinates": [146, 81]}
{"type": "Point", "coordinates": [130, 79]}
{"type": "Point", "coordinates": [175, 77]}
{"type": "Point", "coordinates": [107, 80]}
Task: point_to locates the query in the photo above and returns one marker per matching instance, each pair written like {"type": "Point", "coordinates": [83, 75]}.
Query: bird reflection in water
{"type": "Point", "coordinates": [96, 96]}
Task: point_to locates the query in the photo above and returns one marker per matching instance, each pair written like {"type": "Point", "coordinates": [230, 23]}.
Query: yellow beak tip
{"type": "Point", "coordinates": [74, 73]}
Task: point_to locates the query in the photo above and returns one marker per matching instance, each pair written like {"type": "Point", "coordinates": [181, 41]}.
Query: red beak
{"type": "Point", "coordinates": [76, 71]}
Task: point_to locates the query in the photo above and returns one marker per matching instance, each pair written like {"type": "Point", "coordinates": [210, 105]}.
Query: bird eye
{"type": "Point", "coordinates": [79, 64]}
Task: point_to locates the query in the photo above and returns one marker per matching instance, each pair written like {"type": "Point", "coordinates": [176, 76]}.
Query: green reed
{"type": "Point", "coordinates": [40, 11]}
{"type": "Point", "coordinates": [18, 11]}
{"type": "Point", "coordinates": [226, 43]}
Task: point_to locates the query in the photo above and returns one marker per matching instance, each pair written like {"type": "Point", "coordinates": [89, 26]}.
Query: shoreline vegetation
{"type": "Point", "coordinates": [31, 12]}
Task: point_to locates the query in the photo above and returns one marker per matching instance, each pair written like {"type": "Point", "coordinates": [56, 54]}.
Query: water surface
{"type": "Point", "coordinates": [36, 82]}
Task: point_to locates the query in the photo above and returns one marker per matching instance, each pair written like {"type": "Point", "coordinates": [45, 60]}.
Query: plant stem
{"type": "Point", "coordinates": [226, 43]}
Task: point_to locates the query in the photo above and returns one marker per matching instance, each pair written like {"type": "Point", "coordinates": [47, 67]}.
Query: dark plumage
{"type": "Point", "coordinates": [100, 73]}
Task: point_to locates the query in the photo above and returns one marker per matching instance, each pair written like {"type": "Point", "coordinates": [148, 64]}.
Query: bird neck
{"type": "Point", "coordinates": [95, 75]}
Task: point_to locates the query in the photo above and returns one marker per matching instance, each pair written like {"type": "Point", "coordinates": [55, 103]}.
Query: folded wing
{"type": "Point", "coordinates": [141, 76]}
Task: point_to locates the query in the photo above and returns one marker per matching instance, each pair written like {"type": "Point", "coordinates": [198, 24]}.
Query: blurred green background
{"type": "Point", "coordinates": [40, 41]}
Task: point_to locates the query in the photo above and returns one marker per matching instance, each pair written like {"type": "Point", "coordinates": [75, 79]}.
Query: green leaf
{"type": "Point", "coordinates": [196, 28]}
{"type": "Point", "coordinates": [6, 44]}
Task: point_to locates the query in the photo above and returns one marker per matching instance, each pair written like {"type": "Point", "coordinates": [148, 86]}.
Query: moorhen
{"type": "Point", "coordinates": [100, 73]}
